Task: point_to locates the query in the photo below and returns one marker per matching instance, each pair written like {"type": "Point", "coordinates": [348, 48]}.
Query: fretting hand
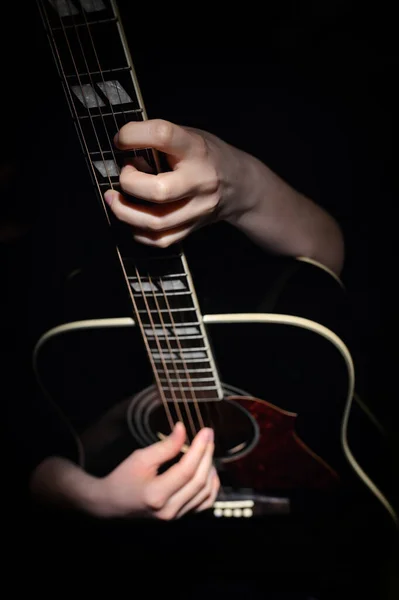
{"type": "Point", "coordinates": [204, 174]}
{"type": "Point", "coordinates": [211, 180]}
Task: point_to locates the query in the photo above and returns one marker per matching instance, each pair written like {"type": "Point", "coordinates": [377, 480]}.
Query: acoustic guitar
{"type": "Point", "coordinates": [273, 375]}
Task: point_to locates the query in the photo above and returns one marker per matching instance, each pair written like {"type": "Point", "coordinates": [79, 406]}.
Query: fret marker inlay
{"type": "Point", "coordinates": [102, 93]}
{"type": "Point", "coordinates": [173, 284]}
{"type": "Point", "coordinates": [186, 331]}
{"type": "Point", "coordinates": [64, 8]}
{"type": "Point", "coordinates": [92, 5]}
{"type": "Point", "coordinates": [87, 95]}
{"type": "Point", "coordinates": [193, 354]}
{"type": "Point", "coordinates": [157, 331]}
{"type": "Point", "coordinates": [163, 355]}
{"type": "Point", "coordinates": [114, 92]}
{"type": "Point", "coordinates": [107, 168]}
{"type": "Point", "coordinates": [145, 286]}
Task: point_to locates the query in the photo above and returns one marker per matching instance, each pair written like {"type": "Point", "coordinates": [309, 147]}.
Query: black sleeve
{"type": "Point", "coordinates": [34, 428]}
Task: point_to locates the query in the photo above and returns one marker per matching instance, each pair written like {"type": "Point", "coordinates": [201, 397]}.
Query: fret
{"type": "Point", "coordinates": [192, 373]}
{"type": "Point", "coordinates": [165, 337]}
{"type": "Point", "coordinates": [83, 75]}
{"type": "Point", "coordinates": [165, 310]}
{"type": "Point", "coordinates": [178, 325]}
{"type": "Point", "coordinates": [114, 152]}
{"type": "Point", "coordinates": [161, 337]}
{"type": "Point", "coordinates": [169, 363]}
{"type": "Point", "coordinates": [133, 277]}
{"type": "Point", "coordinates": [70, 40]}
{"type": "Point", "coordinates": [71, 11]}
{"type": "Point", "coordinates": [84, 24]}
{"type": "Point", "coordinates": [163, 303]}
{"type": "Point", "coordinates": [182, 380]}
{"type": "Point", "coordinates": [105, 185]}
{"type": "Point", "coordinates": [115, 113]}
{"type": "Point", "coordinates": [205, 397]}
{"type": "Point", "coordinates": [169, 321]}
{"type": "Point", "coordinates": [103, 94]}
{"type": "Point", "coordinates": [181, 347]}
{"type": "Point", "coordinates": [188, 354]}
{"type": "Point", "coordinates": [161, 295]}
{"type": "Point", "coordinates": [188, 389]}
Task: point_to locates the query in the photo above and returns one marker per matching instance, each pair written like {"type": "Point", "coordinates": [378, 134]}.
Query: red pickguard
{"type": "Point", "coordinates": [280, 460]}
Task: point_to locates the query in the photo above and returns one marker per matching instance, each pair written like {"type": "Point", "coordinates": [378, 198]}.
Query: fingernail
{"type": "Point", "coordinates": [116, 137]}
{"type": "Point", "coordinates": [209, 435]}
{"type": "Point", "coordinates": [178, 425]}
{"type": "Point", "coordinates": [108, 197]}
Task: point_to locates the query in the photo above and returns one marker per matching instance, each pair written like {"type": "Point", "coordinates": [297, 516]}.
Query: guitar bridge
{"type": "Point", "coordinates": [244, 503]}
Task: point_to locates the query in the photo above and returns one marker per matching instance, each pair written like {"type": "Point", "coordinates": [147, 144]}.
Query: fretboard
{"type": "Point", "coordinates": [167, 310]}
{"type": "Point", "coordinates": [95, 67]}
{"type": "Point", "coordinates": [94, 64]}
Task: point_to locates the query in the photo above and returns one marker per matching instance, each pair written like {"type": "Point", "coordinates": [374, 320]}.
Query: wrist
{"type": "Point", "coordinates": [58, 481]}
{"type": "Point", "coordinates": [242, 185]}
{"type": "Point", "coordinates": [236, 171]}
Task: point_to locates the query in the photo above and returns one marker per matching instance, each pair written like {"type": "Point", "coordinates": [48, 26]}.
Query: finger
{"type": "Point", "coordinates": [161, 217]}
{"type": "Point", "coordinates": [194, 486]}
{"type": "Point", "coordinates": [162, 187]}
{"type": "Point", "coordinates": [165, 450]}
{"type": "Point", "coordinates": [166, 239]}
{"type": "Point", "coordinates": [203, 496]}
{"type": "Point", "coordinates": [209, 502]}
{"type": "Point", "coordinates": [161, 135]}
{"type": "Point", "coordinates": [165, 485]}
{"type": "Point", "coordinates": [140, 163]}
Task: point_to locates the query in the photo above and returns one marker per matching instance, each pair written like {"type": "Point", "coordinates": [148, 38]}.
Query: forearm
{"type": "Point", "coordinates": [57, 481]}
{"type": "Point", "coordinates": [274, 215]}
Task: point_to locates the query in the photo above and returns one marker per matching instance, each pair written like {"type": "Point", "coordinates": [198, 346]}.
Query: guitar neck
{"type": "Point", "coordinates": [94, 64]}
{"type": "Point", "coordinates": [101, 87]}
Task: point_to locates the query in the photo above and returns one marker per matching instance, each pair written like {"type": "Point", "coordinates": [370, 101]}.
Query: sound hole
{"type": "Point", "coordinates": [236, 432]}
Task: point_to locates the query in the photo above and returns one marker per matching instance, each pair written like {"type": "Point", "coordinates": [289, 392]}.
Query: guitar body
{"type": "Point", "coordinates": [287, 427]}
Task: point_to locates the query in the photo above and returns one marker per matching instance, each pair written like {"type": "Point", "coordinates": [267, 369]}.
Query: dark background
{"type": "Point", "coordinates": [308, 87]}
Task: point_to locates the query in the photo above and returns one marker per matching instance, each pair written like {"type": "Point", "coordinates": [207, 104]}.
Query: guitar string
{"type": "Point", "coordinates": [84, 143]}
{"type": "Point", "coordinates": [192, 390]}
{"type": "Point", "coordinates": [160, 314]}
{"type": "Point", "coordinates": [54, 47]}
{"type": "Point", "coordinates": [72, 103]}
{"type": "Point", "coordinates": [161, 356]}
{"type": "Point", "coordinates": [166, 370]}
{"type": "Point", "coordinates": [115, 162]}
{"type": "Point", "coordinates": [103, 80]}
{"type": "Point", "coordinates": [188, 377]}
{"type": "Point", "coordinates": [187, 371]}
{"type": "Point", "coordinates": [96, 97]}
{"type": "Point", "coordinates": [222, 494]}
{"type": "Point", "coordinates": [197, 370]}
{"type": "Point", "coordinates": [110, 144]}
{"type": "Point", "coordinates": [139, 279]}
{"type": "Point", "coordinates": [171, 353]}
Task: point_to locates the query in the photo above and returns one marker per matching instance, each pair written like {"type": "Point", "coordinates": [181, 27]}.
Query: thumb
{"type": "Point", "coordinates": [168, 448]}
